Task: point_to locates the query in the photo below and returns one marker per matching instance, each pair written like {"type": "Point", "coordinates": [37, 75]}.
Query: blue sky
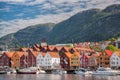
{"type": "Point", "coordinates": [18, 14]}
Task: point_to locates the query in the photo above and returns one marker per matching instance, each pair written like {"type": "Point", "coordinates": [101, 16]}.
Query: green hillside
{"type": "Point", "coordinates": [89, 25]}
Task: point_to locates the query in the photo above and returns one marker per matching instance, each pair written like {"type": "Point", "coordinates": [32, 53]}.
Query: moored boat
{"type": "Point", "coordinates": [105, 71]}
{"type": "Point", "coordinates": [3, 72]}
{"type": "Point", "coordinates": [83, 72]}
{"type": "Point", "coordinates": [30, 70]}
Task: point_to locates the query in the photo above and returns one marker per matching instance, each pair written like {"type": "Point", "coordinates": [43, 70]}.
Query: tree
{"type": "Point", "coordinates": [112, 48]}
{"type": "Point", "coordinates": [112, 39]}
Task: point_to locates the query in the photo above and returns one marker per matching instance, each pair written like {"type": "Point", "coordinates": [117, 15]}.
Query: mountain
{"type": "Point", "coordinates": [89, 25]}
{"type": "Point", "coordinates": [27, 36]}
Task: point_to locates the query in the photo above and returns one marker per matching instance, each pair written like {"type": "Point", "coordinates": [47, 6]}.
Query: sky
{"type": "Point", "coordinates": [19, 14]}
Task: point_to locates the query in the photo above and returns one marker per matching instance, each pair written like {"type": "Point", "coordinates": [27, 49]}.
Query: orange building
{"type": "Point", "coordinates": [104, 58]}
{"type": "Point", "coordinates": [15, 59]}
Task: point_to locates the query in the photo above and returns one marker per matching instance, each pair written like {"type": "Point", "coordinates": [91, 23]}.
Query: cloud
{"type": "Point", "coordinates": [17, 24]}
{"type": "Point", "coordinates": [12, 0]}
{"type": "Point", "coordinates": [58, 6]}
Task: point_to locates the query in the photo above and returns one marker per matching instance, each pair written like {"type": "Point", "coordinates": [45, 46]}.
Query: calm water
{"type": "Point", "coordinates": [55, 77]}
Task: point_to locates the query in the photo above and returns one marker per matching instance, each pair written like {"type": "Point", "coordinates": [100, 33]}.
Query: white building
{"type": "Point", "coordinates": [40, 60]}
{"type": "Point", "coordinates": [115, 60]}
{"type": "Point", "coordinates": [48, 60]}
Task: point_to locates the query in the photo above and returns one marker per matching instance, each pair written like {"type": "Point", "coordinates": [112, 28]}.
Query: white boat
{"type": "Point", "coordinates": [59, 72]}
{"type": "Point", "coordinates": [56, 72]}
{"type": "Point", "coordinates": [105, 71]}
{"type": "Point", "coordinates": [41, 71]}
{"type": "Point", "coordinates": [2, 72]}
{"type": "Point", "coordinates": [30, 70]}
{"type": "Point", "coordinates": [83, 71]}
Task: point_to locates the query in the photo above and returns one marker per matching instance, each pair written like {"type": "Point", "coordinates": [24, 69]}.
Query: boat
{"type": "Point", "coordinates": [105, 71]}
{"type": "Point", "coordinates": [83, 71]}
{"type": "Point", "coordinates": [2, 72]}
{"type": "Point", "coordinates": [30, 70]}
{"type": "Point", "coordinates": [59, 71]}
{"type": "Point", "coordinates": [41, 71]}
{"type": "Point", "coordinates": [56, 72]}
{"type": "Point", "coordinates": [11, 71]}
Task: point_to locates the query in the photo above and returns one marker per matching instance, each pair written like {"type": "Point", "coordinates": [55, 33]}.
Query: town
{"type": "Point", "coordinates": [67, 57]}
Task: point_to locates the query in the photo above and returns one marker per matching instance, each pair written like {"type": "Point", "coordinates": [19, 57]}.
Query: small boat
{"type": "Point", "coordinates": [26, 71]}
{"type": "Point", "coordinates": [56, 72]}
{"type": "Point", "coordinates": [30, 70]}
{"type": "Point", "coordinates": [41, 71]}
{"type": "Point", "coordinates": [83, 71]}
{"type": "Point", "coordinates": [105, 71]}
{"type": "Point", "coordinates": [2, 72]}
{"type": "Point", "coordinates": [59, 72]}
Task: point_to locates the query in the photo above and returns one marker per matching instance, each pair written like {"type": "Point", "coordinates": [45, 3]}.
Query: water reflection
{"type": "Point", "coordinates": [56, 77]}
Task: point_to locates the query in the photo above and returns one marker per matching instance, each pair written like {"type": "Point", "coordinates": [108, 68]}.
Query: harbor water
{"type": "Point", "coordinates": [56, 77]}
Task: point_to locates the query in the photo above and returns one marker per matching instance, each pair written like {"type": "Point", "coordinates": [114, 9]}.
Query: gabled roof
{"type": "Point", "coordinates": [43, 54]}
{"type": "Point", "coordinates": [84, 49]}
{"type": "Point", "coordinates": [68, 54]}
{"type": "Point", "coordinates": [9, 54]}
{"type": "Point", "coordinates": [85, 55]}
{"type": "Point", "coordinates": [37, 45]}
{"type": "Point", "coordinates": [58, 48]}
{"type": "Point", "coordinates": [36, 48]}
{"type": "Point", "coordinates": [54, 54]}
{"type": "Point", "coordinates": [66, 48]}
{"type": "Point", "coordinates": [35, 53]}
{"type": "Point", "coordinates": [96, 55]}
{"type": "Point", "coordinates": [51, 47]}
{"type": "Point", "coordinates": [20, 53]}
{"type": "Point", "coordinates": [77, 53]}
{"type": "Point", "coordinates": [23, 49]}
{"type": "Point", "coordinates": [108, 52]}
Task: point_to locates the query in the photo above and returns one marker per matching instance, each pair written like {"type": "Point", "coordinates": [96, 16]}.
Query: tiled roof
{"type": "Point", "coordinates": [35, 53]}
{"type": "Point", "coordinates": [9, 54]}
{"type": "Point", "coordinates": [77, 53]}
{"type": "Point", "coordinates": [108, 52]}
{"type": "Point", "coordinates": [67, 48]}
{"type": "Point", "coordinates": [24, 49]}
{"type": "Point", "coordinates": [96, 54]}
{"type": "Point", "coordinates": [54, 54]}
{"type": "Point", "coordinates": [58, 48]}
{"type": "Point", "coordinates": [43, 53]}
{"type": "Point", "coordinates": [68, 54]}
{"type": "Point", "coordinates": [20, 53]}
{"type": "Point", "coordinates": [36, 48]}
{"type": "Point", "coordinates": [84, 49]}
{"type": "Point", "coordinates": [51, 47]}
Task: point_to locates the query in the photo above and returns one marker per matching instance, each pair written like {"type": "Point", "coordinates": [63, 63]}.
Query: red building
{"type": "Point", "coordinates": [32, 57]}
{"type": "Point", "coordinates": [5, 59]}
{"type": "Point", "coordinates": [65, 60]}
{"type": "Point", "coordinates": [84, 60]}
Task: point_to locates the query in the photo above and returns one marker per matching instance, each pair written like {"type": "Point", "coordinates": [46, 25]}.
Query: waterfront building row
{"type": "Point", "coordinates": [57, 57]}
